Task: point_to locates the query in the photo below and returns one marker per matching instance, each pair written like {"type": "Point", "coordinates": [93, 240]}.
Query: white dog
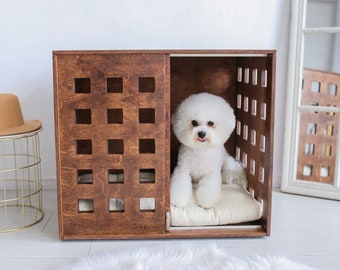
{"type": "Point", "coordinates": [203, 123]}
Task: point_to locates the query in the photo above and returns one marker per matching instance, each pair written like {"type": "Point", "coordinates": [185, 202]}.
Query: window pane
{"type": "Point", "coordinates": [322, 52]}
{"type": "Point", "coordinates": [322, 13]}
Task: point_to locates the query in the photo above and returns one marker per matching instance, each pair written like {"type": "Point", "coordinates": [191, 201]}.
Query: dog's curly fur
{"type": "Point", "coordinates": [203, 123]}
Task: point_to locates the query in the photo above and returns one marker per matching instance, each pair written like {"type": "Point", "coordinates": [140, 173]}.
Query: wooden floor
{"type": "Point", "coordinates": [305, 229]}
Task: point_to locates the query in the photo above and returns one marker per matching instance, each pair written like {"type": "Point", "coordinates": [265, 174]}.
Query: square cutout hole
{"type": "Point", "coordinates": [263, 111]}
{"type": "Point", "coordinates": [245, 160]}
{"type": "Point", "coordinates": [147, 176]}
{"type": "Point", "coordinates": [84, 147]}
{"type": "Point", "coordinates": [254, 77]}
{"type": "Point", "coordinates": [85, 176]}
{"type": "Point", "coordinates": [115, 116]}
{"type": "Point", "coordinates": [239, 101]}
{"type": "Point", "coordinates": [82, 85]}
{"type": "Point", "coordinates": [85, 205]}
{"type": "Point", "coordinates": [315, 87]}
{"type": "Point", "coordinates": [327, 150]}
{"type": "Point", "coordinates": [311, 128]}
{"type": "Point", "coordinates": [115, 146]}
{"type": "Point", "coordinates": [332, 89]}
{"type": "Point", "coordinates": [252, 166]}
{"type": "Point", "coordinates": [83, 116]}
{"type": "Point", "coordinates": [239, 74]}
{"type": "Point", "coordinates": [246, 104]}
{"type": "Point", "coordinates": [307, 170]}
{"type": "Point", "coordinates": [114, 85]}
{"type": "Point", "coordinates": [147, 204]}
{"type": "Point", "coordinates": [254, 107]}
{"type": "Point", "coordinates": [309, 149]}
{"type": "Point", "coordinates": [116, 205]}
{"type": "Point", "coordinates": [146, 84]}
{"type": "Point", "coordinates": [262, 145]}
{"type": "Point", "coordinates": [261, 174]}
{"type": "Point", "coordinates": [329, 130]}
{"type": "Point", "coordinates": [146, 116]}
{"type": "Point", "coordinates": [246, 75]}
{"type": "Point", "coordinates": [147, 146]}
{"type": "Point", "coordinates": [253, 137]}
{"type": "Point", "coordinates": [116, 176]}
{"type": "Point", "coordinates": [324, 171]}
{"type": "Point", "coordinates": [264, 78]}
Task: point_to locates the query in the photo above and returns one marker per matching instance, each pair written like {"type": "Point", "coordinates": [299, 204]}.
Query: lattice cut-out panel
{"type": "Point", "coordinates": [112, 130]}
{"type": "Point", "coordinates": [254, 128]}
{"type": "Point", "coordinates": [320, 88]}
{"type": "Point", "coordinates": [318, 131]}
{"type": "Point", "coordinates": [317, 146]}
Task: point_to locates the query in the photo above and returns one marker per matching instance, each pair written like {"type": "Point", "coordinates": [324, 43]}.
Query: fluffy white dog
{"type": "Point", "coordinates": [203, 123]}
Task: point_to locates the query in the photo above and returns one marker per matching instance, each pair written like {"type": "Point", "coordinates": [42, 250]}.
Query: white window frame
{"type": "Point", "coordinates": [290, 183]}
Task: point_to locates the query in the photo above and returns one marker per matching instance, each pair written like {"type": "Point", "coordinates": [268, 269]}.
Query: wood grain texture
{"type": "Point", "coordinates": [318, 130]}
{"type": "Point", "coordinates": [99, 96]}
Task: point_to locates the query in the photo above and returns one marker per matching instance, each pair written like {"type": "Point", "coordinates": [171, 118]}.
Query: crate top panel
{"type": "Point", "coordinates": [176, 53]}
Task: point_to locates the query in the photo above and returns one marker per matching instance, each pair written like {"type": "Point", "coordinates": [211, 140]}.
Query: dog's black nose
{"type": "Point", "coordinates": [201, 134]}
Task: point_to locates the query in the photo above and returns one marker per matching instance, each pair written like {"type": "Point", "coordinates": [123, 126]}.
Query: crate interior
{"type": "Point", "coordinates": [101, 123]}
{"type": "Point", "coordinates": [192, 75]}
{"type": "Point", "coordinates": [244, 83]}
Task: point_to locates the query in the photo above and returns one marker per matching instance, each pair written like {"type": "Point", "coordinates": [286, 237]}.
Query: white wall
{"type": "Point", "coordinates": [30, 30]}
{"type": "Point", "coordinates": [336, 47]}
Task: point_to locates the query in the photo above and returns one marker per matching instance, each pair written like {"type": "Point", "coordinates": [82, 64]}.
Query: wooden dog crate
{"type": "Point", "coordinates": [112, 117]}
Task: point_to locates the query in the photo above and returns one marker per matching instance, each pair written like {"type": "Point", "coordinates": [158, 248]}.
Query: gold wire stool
{"type": "Point", "coordinates": [20, 181]}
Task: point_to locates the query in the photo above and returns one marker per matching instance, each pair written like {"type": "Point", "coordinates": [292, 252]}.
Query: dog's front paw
{"type": "Point", "coordinates": [178, 200]}
{"type": "Point", "coordinates": [207, 195]}
{"type": "Point", "coordinates": [205, 204]}
{"type": "Point", "coordinates": [180, 188]}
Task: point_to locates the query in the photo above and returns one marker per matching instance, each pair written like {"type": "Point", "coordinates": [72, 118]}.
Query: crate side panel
{"type": "Point", "coordinates": [255, 125]}
{"type": "Point", "coordinates": [99, 99]}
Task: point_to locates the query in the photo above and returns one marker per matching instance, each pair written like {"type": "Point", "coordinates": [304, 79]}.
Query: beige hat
{"type": "Point", "coordinates": [11, 119]}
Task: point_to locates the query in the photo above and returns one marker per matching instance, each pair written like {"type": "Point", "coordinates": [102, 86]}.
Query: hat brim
{"type": "Point", "coordinates": [28, 126]}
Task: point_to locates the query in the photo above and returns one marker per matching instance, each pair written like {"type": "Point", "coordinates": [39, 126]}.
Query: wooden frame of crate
{"type": "Point", "coordinates": [112, 116]}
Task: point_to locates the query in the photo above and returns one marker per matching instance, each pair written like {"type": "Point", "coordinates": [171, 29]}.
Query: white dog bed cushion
{"type": "Point", "coordinates": [236, 205]}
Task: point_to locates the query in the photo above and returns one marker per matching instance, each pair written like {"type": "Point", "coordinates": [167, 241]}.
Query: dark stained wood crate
{"type": "Point", "coordinates": [112, 115]}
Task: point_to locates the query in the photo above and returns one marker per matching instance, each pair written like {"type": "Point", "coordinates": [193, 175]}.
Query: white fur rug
{"type": "Point", "coordinates": [180, 257]}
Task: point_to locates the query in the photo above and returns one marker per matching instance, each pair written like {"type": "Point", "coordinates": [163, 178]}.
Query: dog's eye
{"type": "Point", "coordinates": [194, 123]}
{"type": "Point", "coordinates": [210, 123]}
